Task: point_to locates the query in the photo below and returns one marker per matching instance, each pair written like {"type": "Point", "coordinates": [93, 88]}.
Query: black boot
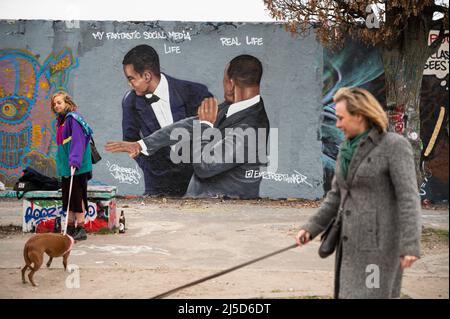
{"type": "Point", "coordinates": [57, 228]}
{"type": "Point", "coordinates": [71, 230]}
{"type": "Point", "coordinates": [80, 234]}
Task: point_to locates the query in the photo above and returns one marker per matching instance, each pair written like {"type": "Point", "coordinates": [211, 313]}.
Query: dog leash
{"type": "Point", "coordinates": [223, 272]}
{"type": "Point", "coordinates": [68, 202]}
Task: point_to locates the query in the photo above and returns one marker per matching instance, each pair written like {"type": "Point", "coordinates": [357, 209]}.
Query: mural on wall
{"type": "Point", "coordinates": [27, 130]}
{"type": "Point", "coordinates": [192, 59]}
{"type": "Point", "coordinates": [175, 96]}
{"type": "Point", "coordinates": [142, 116]}
{"type": "Point", "coordinates": [434, 124]}
{"type": "Point", "coordinates": [297, 101]}
{"type": "Point", "coordinates": [356, 65]}
{"type": "Point", "coordinates": [163, 106]}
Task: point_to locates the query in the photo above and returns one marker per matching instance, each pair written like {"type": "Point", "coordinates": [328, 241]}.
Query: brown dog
{"type": "Point", "coordinates": [55, 245]}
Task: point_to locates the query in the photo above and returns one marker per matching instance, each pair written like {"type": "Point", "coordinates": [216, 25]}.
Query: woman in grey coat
{"type": "Point", "coordinates": [374, 191]}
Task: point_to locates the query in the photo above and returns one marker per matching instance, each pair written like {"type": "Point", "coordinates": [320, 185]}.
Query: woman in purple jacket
{"type": "Point", "coordinates": [73, 158]}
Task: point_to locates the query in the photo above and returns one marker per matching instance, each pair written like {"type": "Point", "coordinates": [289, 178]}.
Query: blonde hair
{"type": "Point", "coordinates": [361, 101]}
{"type": "Point", "coordinates": [70, 104]}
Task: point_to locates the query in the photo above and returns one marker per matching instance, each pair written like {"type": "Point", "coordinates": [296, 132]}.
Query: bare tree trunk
{"type": "Point", "coordinates": [404, 62]}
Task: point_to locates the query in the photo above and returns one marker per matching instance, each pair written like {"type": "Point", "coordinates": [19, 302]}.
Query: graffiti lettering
{"type": "Point", "coordinates": [98, 35]}
{"type": "Point", "coordinates": [35, 213]}
{"type": "Point", "coordinates": [39, 214]}
{"type": "Point", "coordinates": [437, 63]}
{"type": "Point", "coordinates": [154, 35]}
{"type": "Point", "coordinates": [171, 49]}
{"type": "Point", "coordinates": [296, 178]}
{"type": "Point", "coordinates": [147, 35]}
{"type": "Point", "coordinates": [422, 191]}
{"type": "Point", "coordinates": [253, 41]}
{"type": "Point", "coordinates": [124, 175]}
{"type": "Point", "coordinates": [397, 118]}
{"type": "Point", "coordinates": [434, 36]}
{"type": "Point", "coordinates": [179, 35]}
{"type": "Point", "coordinates": [123, 35]}
{"type": "Point", "coordinates": [234, 41]}
{"type": "Point", "coordinates": [91, 212]}
{"type": "Point", "coordinates": [230, 41]}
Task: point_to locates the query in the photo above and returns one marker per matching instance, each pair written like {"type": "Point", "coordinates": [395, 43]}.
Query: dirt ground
{"type": "Point", "coordinates": [170, 242]}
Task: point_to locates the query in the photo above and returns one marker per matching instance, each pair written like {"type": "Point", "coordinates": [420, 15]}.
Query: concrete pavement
{"type": "Point", "coordinates": [171, 242]}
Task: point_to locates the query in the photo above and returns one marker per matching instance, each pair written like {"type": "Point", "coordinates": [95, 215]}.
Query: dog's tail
{"type": "Point", "coordinates": [25, 256]}
{"type": "Point", "coordinates": [28, 260]}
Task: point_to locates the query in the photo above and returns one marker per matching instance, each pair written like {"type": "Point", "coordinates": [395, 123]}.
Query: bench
{"type": "Point", "coordinates": [41, 208]}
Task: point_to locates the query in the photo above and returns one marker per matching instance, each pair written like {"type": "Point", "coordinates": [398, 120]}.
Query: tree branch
{"type": "Point", "coordinates": [354, 13]}
{"type": "Point", "coordinates": [433, 47]}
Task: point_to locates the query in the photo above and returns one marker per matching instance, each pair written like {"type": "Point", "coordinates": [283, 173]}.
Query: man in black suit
{"type": "Point", "coordinates": [233, 170]}
{"type": "Point", "coordinates": [156, 101]}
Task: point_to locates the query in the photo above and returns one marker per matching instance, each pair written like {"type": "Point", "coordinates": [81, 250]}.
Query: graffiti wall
{"type": "Point", "coordinates": [357, 65]}
{"type": "Point", "coordinates": [27, 124]}
{"type": "Point", "coordinates": [434, 124]}
{"type": "Point", "coordinates": [85, 59]}
{"type": "Point", "coordinates": [298, 82]}
{"type": "Point", "coordinates": [39, 215]}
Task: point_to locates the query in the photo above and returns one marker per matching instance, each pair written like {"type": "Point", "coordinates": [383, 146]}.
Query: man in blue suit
{"type": "Point", "coordinates": [242, 113]}
{"type": "Point", "coordinates": [155, 101]}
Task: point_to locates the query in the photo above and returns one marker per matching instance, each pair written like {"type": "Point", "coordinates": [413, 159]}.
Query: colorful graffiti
{"type": "Point", "coordinates": [435, 136]}
{"type": "Point", "coordinates": [357, 65]}
{"type": "Point", "coordinates": [397, 119]}
{"type": "Point", "coordinates": [27, 124]}
{"type": "Point", "coordinates": [40, 215]}
{"type": "Point", "coordinates": [434, 124]}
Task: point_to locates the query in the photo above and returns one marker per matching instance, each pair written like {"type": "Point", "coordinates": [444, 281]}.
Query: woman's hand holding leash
{"type": "Point", "coordinates": [303, 237]}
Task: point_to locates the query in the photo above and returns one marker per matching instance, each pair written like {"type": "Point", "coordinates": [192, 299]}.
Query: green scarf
{"type": "Point", "coordinates": [348, 147]}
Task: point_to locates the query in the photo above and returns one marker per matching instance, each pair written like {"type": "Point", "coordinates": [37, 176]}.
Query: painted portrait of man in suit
{"type": "Point", "coordinates": [156, 101]}
{"type": "Point", "coordinates": [242, 112]}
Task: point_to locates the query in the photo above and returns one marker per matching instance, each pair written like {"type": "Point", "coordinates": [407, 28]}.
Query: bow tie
{"type": "Point", "coordinates": [152, 99]}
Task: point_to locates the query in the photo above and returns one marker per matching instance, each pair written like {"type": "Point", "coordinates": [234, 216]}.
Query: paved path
{"type": "Point", "coordinates": [168, 244]}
